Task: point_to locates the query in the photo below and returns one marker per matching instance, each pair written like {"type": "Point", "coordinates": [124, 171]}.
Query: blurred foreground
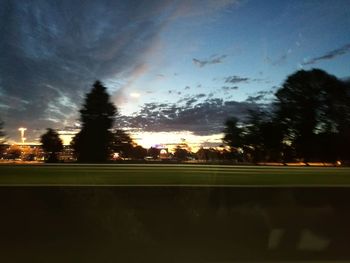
{"type": "Point", "coordinates": [174, 224]}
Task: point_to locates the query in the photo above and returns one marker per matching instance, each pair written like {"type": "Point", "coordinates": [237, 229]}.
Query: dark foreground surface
{"type": "Point", "coordinates": [174, 224]}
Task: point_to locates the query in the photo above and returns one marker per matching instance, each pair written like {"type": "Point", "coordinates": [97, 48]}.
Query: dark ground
{"type": "Point", "coordinates": [174, 224]}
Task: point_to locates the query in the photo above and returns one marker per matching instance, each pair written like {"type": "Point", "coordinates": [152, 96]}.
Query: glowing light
{"type": "Point", "coordinates": [171, 139]}
{"type": "Point", "coordinates": [135, 95]}
{"type": "Point", "coordinates": [66, 139]}
{"type": "Point", "coordinates": [22, 130]}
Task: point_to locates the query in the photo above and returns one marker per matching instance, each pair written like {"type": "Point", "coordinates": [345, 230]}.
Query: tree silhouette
{"type": "Point", "coordinates": [309, 121]}
{"type": "Point", "coordinates": [208, 154]}
{"type": "Point", "coordinates": [139, 153]}
{"type": "Point", "coordinates": [153, 152]}
{"type": "Point", "coordinates": [122, 144]}
{"type": "Point", "coordinates": [263, 137]}
{"type": "Point", "coordinates": [234, 137]}
{"type": "Point", "coordinates": [314, 108]}
{"type": "Point", "coordinates": [93, 142]}
{"type": "Point", "coordinates": [52, 145]}
{"type": "Point", "coordinates": [181, 154]}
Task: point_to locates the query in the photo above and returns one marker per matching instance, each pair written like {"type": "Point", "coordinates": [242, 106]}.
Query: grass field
{"type": "Point", "coordinates": [133, 174]}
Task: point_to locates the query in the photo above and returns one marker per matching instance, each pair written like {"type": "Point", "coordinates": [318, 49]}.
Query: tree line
{"type": "Point", "coordinates": [308, 120]}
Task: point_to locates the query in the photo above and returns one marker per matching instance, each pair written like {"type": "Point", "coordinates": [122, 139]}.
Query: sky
{"type": "Point", "coordinates": [175, 69]}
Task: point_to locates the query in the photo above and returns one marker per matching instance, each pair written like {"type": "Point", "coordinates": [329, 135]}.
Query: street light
{"type": "Point", "coordinates": [22, 130]}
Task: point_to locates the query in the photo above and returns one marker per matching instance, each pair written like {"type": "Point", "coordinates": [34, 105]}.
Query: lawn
{"type": "Point", "coordinates": [133, 174]}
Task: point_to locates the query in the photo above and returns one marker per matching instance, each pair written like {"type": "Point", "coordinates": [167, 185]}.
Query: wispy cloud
{"type": "Point", "coordinates": [69, 45]}
{"type": "Point", "coordinates": [216, 59]}
{"type": "Point", "coordinates": [329, 55]}
{"type": "Point", "coordinates": [236, 79]}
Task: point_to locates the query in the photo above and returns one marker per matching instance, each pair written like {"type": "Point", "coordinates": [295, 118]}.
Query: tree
{"type": "Point", "coordinates": [181, 154]}
{"type": "Point", "coordinates": [139, 153]}
{"type": "Point", "coordinates": [263, 137]}
{"type": "Point", "coordinates": [208, 154]}
{"type": "Point", "coordinates": [93, 142]}
{"type": "Point", "coordinates": [153, 152]}
{"type": "Point", "coordinates": [234, 137]}
{"type": "Point", "coordinates": [13, 152]}
{"type": "Point", "coordinates": [311, 106]}
{"type": "Point", "coordinates": [52, 145]}
{"type": "Point", "coordinates": [122, 144]}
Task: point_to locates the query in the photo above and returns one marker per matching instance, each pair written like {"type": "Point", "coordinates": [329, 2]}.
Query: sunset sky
{"type": "Point", "coordinates": [175, 69]}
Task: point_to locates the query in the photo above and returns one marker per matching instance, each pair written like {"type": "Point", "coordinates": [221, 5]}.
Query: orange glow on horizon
{"type": "Point", "coordinates": [168, 139]}
{"type": "Point", "coordinates": [171, 139]}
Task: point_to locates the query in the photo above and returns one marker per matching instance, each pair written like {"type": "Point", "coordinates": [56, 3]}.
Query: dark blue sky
{"type": "Point", "coordinates": [182, 65]}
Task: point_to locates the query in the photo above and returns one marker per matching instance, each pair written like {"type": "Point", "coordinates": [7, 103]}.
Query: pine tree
{"type": "Point", "coordinates": [92, 143]}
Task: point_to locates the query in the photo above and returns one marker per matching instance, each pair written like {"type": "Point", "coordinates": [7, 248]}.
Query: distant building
{"type": "Point", "coordinates": [67, 155]}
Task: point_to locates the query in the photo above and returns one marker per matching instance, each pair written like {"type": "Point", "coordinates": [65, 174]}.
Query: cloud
{"type": "Point", "coordinates": [228, 88]}
{"type": "Point", "coordinates": [174, 92]}
{"type": "Point", "coordinates": [203, 118]}
{"type": "Point", "coordinates": [262, 97]}
{"type": "Point", "coordinates": [201, 95]}
{"type": "Point", "coordinates": [52, 53]}
{"type": "Point", "coordinates": [236, 79]}
{"type": "Point", "coordinates": [192, 99]}
{"type": "Point", "coordinates": [329, 55]}
{"type": "Point", "coordinates": [254, 99]}
{"type": "Point", "coordinates": [215, 59]}
{"type": "Point", "coordinates": [57, 51]}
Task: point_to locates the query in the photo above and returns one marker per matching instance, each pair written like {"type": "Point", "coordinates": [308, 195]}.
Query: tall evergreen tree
{"type": "Point", "coordinates": [52, 145]}
{"type": "Point", "coordinates": [92, 143]}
